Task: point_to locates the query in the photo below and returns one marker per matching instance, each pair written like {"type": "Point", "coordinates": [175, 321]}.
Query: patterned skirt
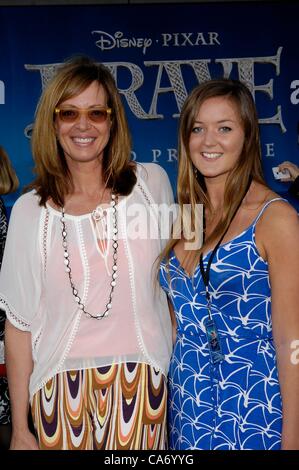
{"type": "Point", "coordinates": [118, 407]}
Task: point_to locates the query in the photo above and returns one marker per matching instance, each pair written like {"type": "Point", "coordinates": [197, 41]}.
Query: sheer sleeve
{"type": "Point", "coordinates": [21, 272]}
{"type": "Point", "coordinates": [158, 183]}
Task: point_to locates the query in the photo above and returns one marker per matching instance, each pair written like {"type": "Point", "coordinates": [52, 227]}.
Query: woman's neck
{"type": "Point", "coordinates": [215, 190]}
{"type": "Point", "coordinates": [89, 188]}
{"type": "Point", "coordinates": [87, 179]}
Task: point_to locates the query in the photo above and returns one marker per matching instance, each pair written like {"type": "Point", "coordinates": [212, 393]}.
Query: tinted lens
{"type": "Point", "coordinates": [97, 115]}
{"type": "Point", "coordinates": [68, 115]}
{"type": "Point", "coordinates": [94, 114]}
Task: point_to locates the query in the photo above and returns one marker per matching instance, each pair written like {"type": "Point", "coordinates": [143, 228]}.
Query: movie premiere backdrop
{"type": "Point", "coordinates": [157, 54]}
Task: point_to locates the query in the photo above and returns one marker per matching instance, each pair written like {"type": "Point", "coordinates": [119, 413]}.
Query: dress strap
{"type": "Point", "coordinates": [265, 207]}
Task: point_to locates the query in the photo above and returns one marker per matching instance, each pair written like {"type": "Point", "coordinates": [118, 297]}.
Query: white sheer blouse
{"type": "Point", "coordinates": [35, 289]}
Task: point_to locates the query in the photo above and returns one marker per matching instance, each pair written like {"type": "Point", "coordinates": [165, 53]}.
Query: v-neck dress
{"type": "Point", "coordinates": [236, 403]}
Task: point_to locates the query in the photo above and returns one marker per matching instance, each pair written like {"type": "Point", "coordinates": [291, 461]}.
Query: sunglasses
{"type": "Point", "coordinates": [71, 115]}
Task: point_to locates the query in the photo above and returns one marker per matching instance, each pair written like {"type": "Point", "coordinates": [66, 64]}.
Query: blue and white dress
{"type": "Point", "coordinates": [234, 404]}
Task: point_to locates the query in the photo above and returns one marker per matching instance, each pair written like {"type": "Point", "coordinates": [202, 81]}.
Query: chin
{"type": "Point", "coordinates": [214, 174]}
{"type": "Point", "coordinates": [210, 174]}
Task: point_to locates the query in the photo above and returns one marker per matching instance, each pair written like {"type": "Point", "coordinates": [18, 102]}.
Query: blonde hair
{"type": "Point", "coordinates": [9, 181]}
{"type": "Point", "coordinates": [53, 177]}
{"type": "Point", "coordinates": [191, 187]}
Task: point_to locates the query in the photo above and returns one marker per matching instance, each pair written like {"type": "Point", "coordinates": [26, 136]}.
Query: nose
{"type": "Point", "coordinates": [210, 137]}
{"type": "Point", "coordinates": [83, 122]}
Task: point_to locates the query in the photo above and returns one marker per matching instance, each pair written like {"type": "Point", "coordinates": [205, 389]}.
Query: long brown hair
{"type": "Point", "coordinates": [9, 181]}
{"type": "Point", "coordinates": [191, 187]}
{"type": "Point", "coordinates": [53, 177]}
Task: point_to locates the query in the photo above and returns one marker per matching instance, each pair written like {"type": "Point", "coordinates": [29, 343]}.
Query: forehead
{"type": "Point", "coordinates": [218, 108]}
{"type": "Point", "coordinates": [93, 94]}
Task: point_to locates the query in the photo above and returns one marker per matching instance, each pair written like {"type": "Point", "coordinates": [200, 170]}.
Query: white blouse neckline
{"type": "Point", "coordinates": [87, 215]}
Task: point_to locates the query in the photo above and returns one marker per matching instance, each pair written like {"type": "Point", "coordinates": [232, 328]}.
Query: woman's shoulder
{"type": "Point", "coordinates": [149, 171]}
{"type": "Point", "coordinates": [277, 204]}
{"type": "Point", "coordinates": [276, 213]}
{"type": "Point", "coordinates": [266, 201]}
{"type": "Point", "coordinates": [156, 180]}
{"type": "Point", "coordinates": [276, 226]}
{"type": "Point", "coordinates": [27, 204]}
{"type": "Point", "coordinates": [279, 210]}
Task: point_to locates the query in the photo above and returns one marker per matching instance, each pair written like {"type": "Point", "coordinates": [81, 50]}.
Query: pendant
{"type": "Point", "coordinates": [214, 341]}
{"type": "Point", "coordinates": [98, 213]}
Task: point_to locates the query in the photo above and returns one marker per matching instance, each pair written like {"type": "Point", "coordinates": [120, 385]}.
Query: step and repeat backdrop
{"type": "Point", "coordinates": [157, 54]}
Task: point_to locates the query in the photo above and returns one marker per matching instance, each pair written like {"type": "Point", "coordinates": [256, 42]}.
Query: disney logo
{"type": "Point", "coordinates": [106, 41]}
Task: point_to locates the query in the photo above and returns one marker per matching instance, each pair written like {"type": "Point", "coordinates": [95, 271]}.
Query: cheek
{"type": "Point", "coordinates": [105, 133]}
{"type": "Point", "coordinates": [194, 143]}
{"type": "Point", "coordinates": [57, 125]}
{"type": "Point", "coordinates": [239, 148]}
{"type": "Point", "coordinates": [240, 142]}
{"type": "Point", "coordinates": [58, 130]}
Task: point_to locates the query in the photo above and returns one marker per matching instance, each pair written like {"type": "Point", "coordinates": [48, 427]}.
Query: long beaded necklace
{"type": "Point", "coordinates": [67, 263]}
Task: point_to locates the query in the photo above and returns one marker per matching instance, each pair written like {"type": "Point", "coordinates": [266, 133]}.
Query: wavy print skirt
{"type": "Point", "coordinates": [118, 407]}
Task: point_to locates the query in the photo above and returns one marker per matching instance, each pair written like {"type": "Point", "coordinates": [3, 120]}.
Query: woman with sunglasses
{"type": "Point", "coordinates": [234, 373]}
{"type": "Point", "coordinates": [88, 338]}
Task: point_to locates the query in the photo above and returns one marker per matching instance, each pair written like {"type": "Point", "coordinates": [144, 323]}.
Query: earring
{"type": "Point", "coordinates": [195, 172]}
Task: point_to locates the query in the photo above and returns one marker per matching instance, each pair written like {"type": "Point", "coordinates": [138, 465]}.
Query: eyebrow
{"type": "Point", "coordinates": [218, 122]}
{"type": "Point", "coordinates": [79, 107]}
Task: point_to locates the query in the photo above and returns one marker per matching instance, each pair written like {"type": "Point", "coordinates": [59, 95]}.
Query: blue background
{"type": "Point", "coordinates": [46, 35]}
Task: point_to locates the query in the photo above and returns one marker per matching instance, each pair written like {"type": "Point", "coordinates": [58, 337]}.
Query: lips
{"type": "Point", "coordinates": [211, 155]}
{"type": "Point", "coordinates": [83, 140]}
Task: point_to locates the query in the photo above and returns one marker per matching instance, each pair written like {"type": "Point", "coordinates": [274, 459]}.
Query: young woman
{"type": "Point", "coordinates": [88, 339]}
{"type": "Point", "coordinates": [233, 381]}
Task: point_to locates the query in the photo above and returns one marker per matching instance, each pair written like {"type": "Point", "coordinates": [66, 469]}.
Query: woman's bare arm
{"type": "Point", "coordinates": [18, 358]}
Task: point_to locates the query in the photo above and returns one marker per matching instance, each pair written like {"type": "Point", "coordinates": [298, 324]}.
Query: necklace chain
{"type": "Point", "coordinates": [67, 263]}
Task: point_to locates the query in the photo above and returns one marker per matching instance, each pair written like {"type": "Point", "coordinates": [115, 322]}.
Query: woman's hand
{"type": "Point", "coordinates": [24, 440]}
{"type": "Point", "coordinates": [292, 168]}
